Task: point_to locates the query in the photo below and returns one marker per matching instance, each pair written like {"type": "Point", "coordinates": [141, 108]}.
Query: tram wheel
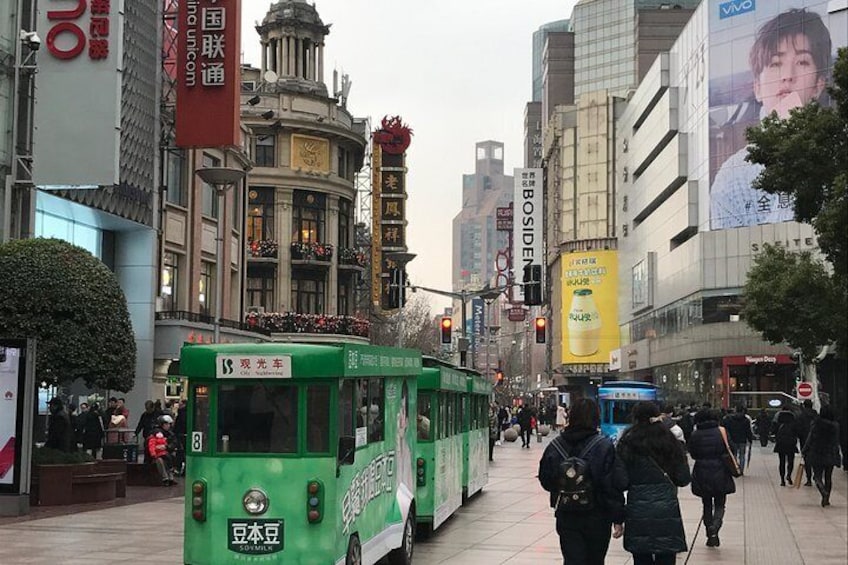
{"type": "Point", "coordinates": [403, 554]}
{"type": "Point", "coordinates": [354, 551]}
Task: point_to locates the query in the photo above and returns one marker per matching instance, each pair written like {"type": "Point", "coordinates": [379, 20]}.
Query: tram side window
{"type": "Point", "coordinates": [443, 415]}
{"type": "Point", "coordinates": [424, 415]}
{"type": "Point", "coordinates": [317, 419]}
{"type": "Point", "coordinates": [200, 431]}
{"type": "Point", "coordinates": [257, 419]}
{"type": "Point", "coordinates": [346, 403]}
{"type": "Point", "coordinates": [376, 407]}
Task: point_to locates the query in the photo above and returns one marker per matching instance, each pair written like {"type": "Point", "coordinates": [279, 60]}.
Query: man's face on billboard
{"type": "Point", "coordinates": [790, 79]}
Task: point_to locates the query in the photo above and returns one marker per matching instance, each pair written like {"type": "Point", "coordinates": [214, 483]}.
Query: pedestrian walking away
{"type": "Point", "coordinates": [650, 465]}
{"type": "Point", "coordinates": [525, 419]}
{"type": "Point", "coordinates": [494, 429]}
{"type": "Point", "coordinates": [785, 443]}
{"type": "Point", "coordinates": [740, 434]}
{"type": "Point", "coordinates": [577, 470]}
{"type": "Point", "coordinates": [711, 480]}
{"type": "Point", "coordinates": [821, 451]}
{"type": "Point", "coordinates": [763, 425]}
{"type": "Point", "coordinates": [803, 423]}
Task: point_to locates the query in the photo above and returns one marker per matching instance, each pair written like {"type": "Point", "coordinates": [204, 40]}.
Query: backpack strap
{"type": "Point", "coordinates": [560, 448]}
{"type": "Point", "coordinates": [591, 445]}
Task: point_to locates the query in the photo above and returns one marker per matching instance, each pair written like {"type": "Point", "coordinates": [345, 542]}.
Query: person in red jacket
{"type": "Point", "coordinates": [160, 444]}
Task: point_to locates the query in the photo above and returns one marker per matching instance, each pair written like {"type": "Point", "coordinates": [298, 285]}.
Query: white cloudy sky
{"type": "Point", "coordinates": [458, 72]}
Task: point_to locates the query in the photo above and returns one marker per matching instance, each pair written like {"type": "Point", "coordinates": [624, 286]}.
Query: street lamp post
{"type": "Point", "coordinates": [401, 258]}
{"type": "Point", "coordinates": [486, 293]}
{"type": "Point", "coordinates": [222, 179]}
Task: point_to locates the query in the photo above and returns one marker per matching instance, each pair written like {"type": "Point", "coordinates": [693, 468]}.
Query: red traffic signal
{"type": "Point", "coordinates": [499, 376]}
{"type": "Point", "coordinates": [446, 326]}
{"type": "Point", "coordinates": [541, 329]}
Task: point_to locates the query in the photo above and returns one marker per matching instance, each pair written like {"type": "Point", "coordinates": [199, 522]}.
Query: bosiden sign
{"type": "Point", "coordinates": [208, 73]}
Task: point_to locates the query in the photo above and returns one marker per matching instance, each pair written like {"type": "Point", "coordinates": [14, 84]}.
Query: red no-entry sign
{"type": "Point", "coordinates": [805, 390]}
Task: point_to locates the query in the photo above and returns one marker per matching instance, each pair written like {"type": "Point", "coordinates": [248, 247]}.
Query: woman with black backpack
{"type": "Point", "coordinates": [576, 469]}
{"type": "Point", "coordinates": [650, 465]}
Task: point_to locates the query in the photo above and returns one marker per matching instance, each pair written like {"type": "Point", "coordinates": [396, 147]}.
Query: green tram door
{"type": "Point", "coordinates": [299, 453]}
{"type": "Point", "coordinates": [475, 472]}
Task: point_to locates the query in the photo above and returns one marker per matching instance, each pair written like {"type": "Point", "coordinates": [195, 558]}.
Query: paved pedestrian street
{"type": "Point", "coordinates": [509, 523]}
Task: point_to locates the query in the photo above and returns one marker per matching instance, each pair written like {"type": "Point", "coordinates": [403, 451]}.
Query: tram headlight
{"type": "Point", "coordinates": [255, 501]}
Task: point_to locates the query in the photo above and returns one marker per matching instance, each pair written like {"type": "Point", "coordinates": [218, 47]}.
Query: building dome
{"type": "Point", "coordinates": [292, 36]}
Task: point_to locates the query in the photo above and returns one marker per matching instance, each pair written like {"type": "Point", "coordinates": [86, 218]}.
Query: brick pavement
{"type": "Point", "coordinates": [509, 523]}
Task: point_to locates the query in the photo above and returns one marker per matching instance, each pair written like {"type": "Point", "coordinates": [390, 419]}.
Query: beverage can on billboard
{"type": "Point", "coordinates": [584, 324]}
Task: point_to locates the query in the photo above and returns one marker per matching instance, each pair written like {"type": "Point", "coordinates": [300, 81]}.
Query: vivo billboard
{"type": "Point", "coordinates": [208, 73]}
{"type": "Point", "coordinates": [77, 118]}
{"type": "Point", "coordinates": [765, 57]}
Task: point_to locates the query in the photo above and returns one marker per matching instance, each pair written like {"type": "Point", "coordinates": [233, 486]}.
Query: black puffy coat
{"type": "Point", "coordinates": [653, 523]}
{"type": "Point", "coordinates": [92, 430]}
{"type": "Point", "coordinates": [822, 447]}
{"type": "Point", "coordinates": [739, 428]}
{"type": "Point", "coordinates": [786, 434]}
{"type": "Point", "coordinates": [709, 475]}
{"type": "Point", "coordinates": [601, 460]}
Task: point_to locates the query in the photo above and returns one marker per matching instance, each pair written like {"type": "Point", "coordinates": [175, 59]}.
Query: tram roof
{"type": "Point", "coordinates": [442, 377]}
{"type": "Point", "coordinates": [308, 360]}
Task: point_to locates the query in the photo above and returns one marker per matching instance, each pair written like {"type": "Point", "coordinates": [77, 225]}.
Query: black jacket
{"type": "Point", "coordinates": [60, 433]}
{"type": "Point", "coordinates": [822, 446]}
{"type": "Point", "coordinates": [739, 428]}
{"type": "Point", "coordinates": [709, 475]}
{"type": "Point", "coordinates": [524, 415]}
{"type": "Point", "coordinates": [762, 424]}
{"type": "Point", "coordinates": [609, 499]}
{"type": "Point", "coordinates": [146, 423]}
{"type": "Point", "coordinates": [653, 523]}
{"type": "Point", "coordinates": [786, 433]}
{"type": "Point", "coordinates": [92, 430]}
{"type": "Point", "coordinates": [803, 422]}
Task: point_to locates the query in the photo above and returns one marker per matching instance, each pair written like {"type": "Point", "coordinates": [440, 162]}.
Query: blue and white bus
{"type": "Point", "coordinates": [616, 399]}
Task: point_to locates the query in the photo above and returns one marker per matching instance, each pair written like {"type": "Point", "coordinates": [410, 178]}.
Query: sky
{"type": "Point", "coordinates": [457, 72]}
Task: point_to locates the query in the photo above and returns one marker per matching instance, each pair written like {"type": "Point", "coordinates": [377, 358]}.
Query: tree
{"type": "Point", "coordinates": [72, 304]}
{"type": "Point", "coordinates": [806, 156]}
{"type": "Point", "coordinates": [420, 329]}
{"type": "Point", "coordinates": [791, 297]}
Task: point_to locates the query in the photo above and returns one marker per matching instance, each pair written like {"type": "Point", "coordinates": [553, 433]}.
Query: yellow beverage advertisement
{"type": "Point", "coordinates": [589, 306]}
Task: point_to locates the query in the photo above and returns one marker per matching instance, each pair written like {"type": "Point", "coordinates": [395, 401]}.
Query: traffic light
{"type": "Point", "coordinates": [446, 326]}
{"type": "Point", "coordinates": [541, 328]}
{"type": "Point", "coordinates": [532, 285]}
{"type": "Point", "coordinates": [499, 376]}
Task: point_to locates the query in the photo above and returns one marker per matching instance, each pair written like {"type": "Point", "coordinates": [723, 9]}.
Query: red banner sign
{"type": "Point", "coordinates": [208, 73]}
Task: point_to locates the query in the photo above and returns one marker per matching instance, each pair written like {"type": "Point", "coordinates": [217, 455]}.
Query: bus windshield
{"type": "Point", "coordinates": [620, 411]}
{"type": "Point", "coordinates": [257, 418]}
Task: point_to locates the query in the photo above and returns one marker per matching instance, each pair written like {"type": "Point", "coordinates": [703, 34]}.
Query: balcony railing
{"type": "Point", "coordinates": [196, 318]}
{"type": "Point", "coordinates": [294, 322]}
{"type": "Point", "coordinates": [262, 249]}
{"type": "Point", "coordinates": [311, 251]}
{"type": "Point", "coordinates": [353, 257]}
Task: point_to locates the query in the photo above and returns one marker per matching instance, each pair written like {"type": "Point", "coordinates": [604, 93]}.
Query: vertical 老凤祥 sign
{"type": "Point", "coordinates": [77, 118]}
{"type": "Point", "coordinates": [208, 73]}
{"type": "Point", "coordinates": [527, 220]}
{"type": "Point", "coordinates": [389, 207]}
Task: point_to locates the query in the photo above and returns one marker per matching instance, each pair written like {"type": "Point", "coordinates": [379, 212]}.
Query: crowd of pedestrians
{"type": "Point", "coordinates": [587, 475]}
{"type": "Point", "coordinates": [160, 430]}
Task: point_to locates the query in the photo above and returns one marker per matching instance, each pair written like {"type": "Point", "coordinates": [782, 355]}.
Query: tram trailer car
{"type": "Point", "coordinates": [300, 453]}
{"type": "Point", "coordinates": [475, 444]}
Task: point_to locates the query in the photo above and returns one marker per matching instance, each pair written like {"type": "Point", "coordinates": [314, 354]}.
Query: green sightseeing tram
{"type": "Point", "coordinates": [475, 433]}
{"type": "Point", "coordinates": [303, 453]}
{"type": "Point", "coordinates": [439, 452]}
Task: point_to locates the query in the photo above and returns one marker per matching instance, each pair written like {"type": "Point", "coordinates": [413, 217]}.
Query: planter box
{"type": "Point", "coordinates": [56, 485]}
